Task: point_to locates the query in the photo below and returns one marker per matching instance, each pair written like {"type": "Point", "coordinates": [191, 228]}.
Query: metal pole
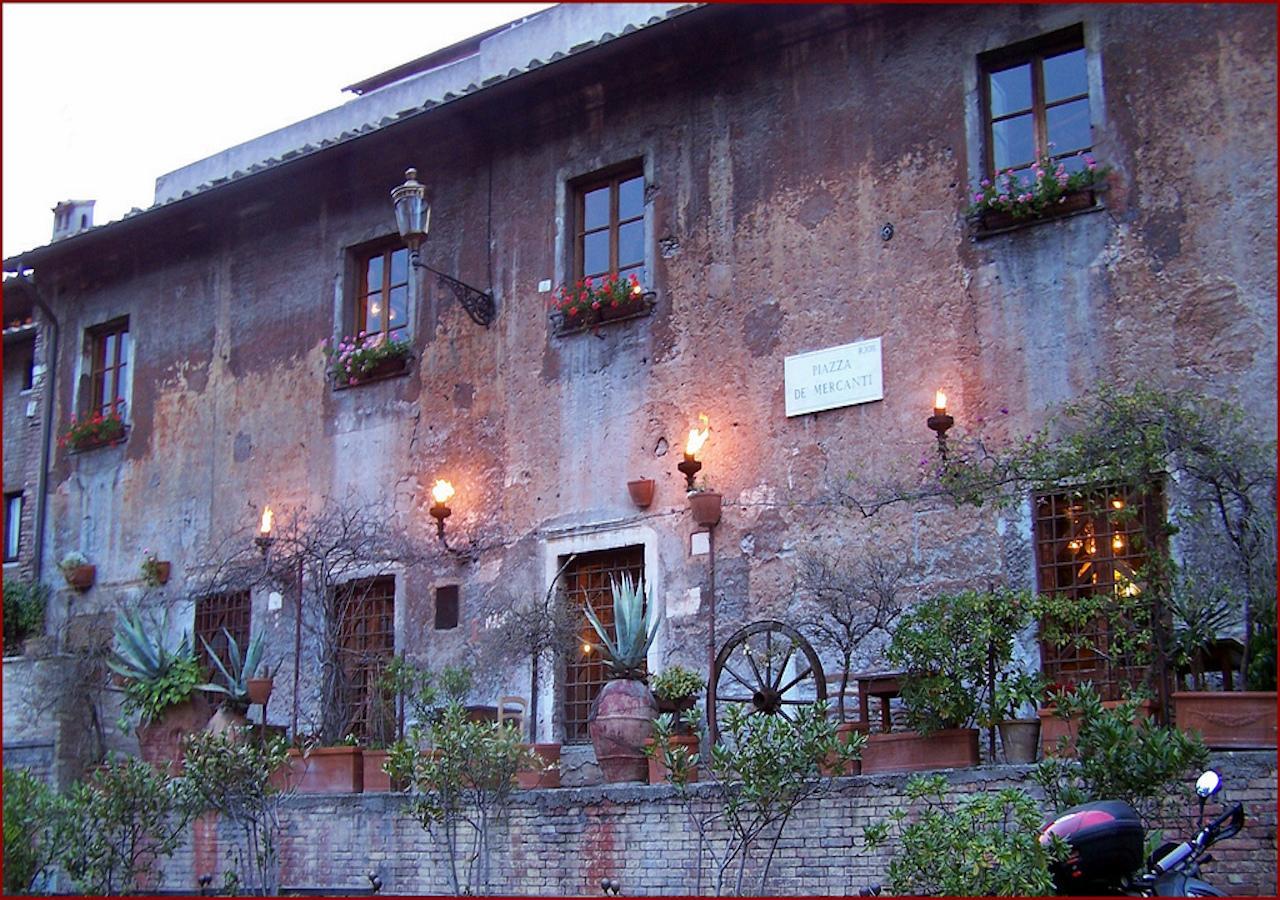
{"type": "Point", "coordinates": [297, 652]}
{"type": "Point", "coordinates": [711, 618]}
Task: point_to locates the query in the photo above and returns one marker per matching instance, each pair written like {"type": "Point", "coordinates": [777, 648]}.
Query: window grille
{"type": "Point", "coordinates": [366, 617]}
{"type": "Point", "coordinates": [214, 613]}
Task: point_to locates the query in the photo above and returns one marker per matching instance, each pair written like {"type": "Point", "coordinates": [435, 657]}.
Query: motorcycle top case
{"type": "Point", "coordinates": [1106, 845]}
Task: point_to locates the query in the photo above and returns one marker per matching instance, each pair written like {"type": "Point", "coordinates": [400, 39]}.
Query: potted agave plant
{"type": "Point", "coordinates": [233, 683]}
{"type": "Point", "coordinates": [622, 715]}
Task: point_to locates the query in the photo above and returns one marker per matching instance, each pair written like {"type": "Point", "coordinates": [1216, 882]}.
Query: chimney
{"type": "Point", "coordinates": [72, 217]}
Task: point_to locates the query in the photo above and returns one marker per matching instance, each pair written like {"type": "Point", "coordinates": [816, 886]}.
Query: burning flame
{"type": "Point", "coordinates": [939, 403]}
{"type": "Point", "coordinates": [697, 438]}
{"type": "Point", "coordinates": [267, 518]}
{"type": "Point", "coordinates": [442, 491]}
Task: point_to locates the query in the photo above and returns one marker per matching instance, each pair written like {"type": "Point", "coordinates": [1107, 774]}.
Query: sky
{"type": "Point", "coordinates": [99, 99]}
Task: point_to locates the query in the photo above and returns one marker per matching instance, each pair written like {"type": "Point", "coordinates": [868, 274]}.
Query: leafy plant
{"type": "Point", "coordinates": [1015, 691]}
{"type": "Point", "coordinates": [34, 834]}
{"type": "Point", "coordinates": [1201, 611]}
{"type": "Point", "coordinates": [89, 431]}
{"type": "Point", "coordinates": [676, 683]}
{"type": "Point", "coordinates": [71, 560]}
{"type": "Point", "coordinates": [236, 674]}
{"type": "Point", "coordinates": [945, 644]}
{"type": "Point", "coordinates": [25, 602]}
{"type": "Point", "coordinates": [121, 822]}
{"type": "Point", "coordinates": [1119, 756]}
{"type": "Point", "coordinates": [463, 785]}
{"type": "Point", "coordinates": [150, 569]}
{"type": "Point", "coordinates": [354, 358]}
{"type": "Point", "coordinates": [678, 761]}
{"type": "Point", "coordinates": [155, 677]}
{"type": "Point", "coordinates": [986, 845]}
{"type": "Point", "coordinates": [232, 776]}
{"type": "Point", "coordinates": [636, 625]}
{"type": "Point", "coordinates": [1048, 185]}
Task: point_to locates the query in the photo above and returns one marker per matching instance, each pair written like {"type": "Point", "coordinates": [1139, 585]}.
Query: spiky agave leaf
{"type": "Point", "coordinates": [611, 649]}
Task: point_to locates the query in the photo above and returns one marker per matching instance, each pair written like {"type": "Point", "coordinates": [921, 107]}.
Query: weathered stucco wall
{"type": "Point", "coordinates": [563, 842]}
{"type": "Point", "coordinates": [774, 158]}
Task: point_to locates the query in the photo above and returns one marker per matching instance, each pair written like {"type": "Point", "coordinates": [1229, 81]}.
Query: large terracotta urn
{"type": "Point", "coordinates": [621, 721]}
{"type": "Point", "coordinates": [160, 742]}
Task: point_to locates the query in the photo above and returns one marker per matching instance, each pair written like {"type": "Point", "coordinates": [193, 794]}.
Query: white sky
{"type": "Point", "coordinates": [99, 99]}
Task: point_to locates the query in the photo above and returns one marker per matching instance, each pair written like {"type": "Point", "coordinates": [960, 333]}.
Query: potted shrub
{"type": "Point", "coordinates": [705, 504]}
{"type": "Point", "coordinates": [676, 690]}
{"type": "Point", "coordinates": [232, 683]}
{"type": "Point", "coordinates": [673, 749]}
{"type": "Point", "coordinates": [366, 357]}
{"type": "Point", "coordinates": [155, 571]}
{"type": "Point", "coordinates": [77, 571]}
{"type": "Point", "coordinates": [92, 431]}
{"type": "Point", "coordinates": [940, 647]}
{"type": "Point", "coordinates": [314, 769]}
{"type": "Point", "coordinates": [160, 685]}
{"type": "Point", "coordinates": [1019, 735]}
{"type": "Point", "coordinates": [1050, 190]}
{"type": "Point", "coordinates": [622, 714]}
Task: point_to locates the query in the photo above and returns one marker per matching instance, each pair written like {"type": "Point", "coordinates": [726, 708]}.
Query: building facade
{"type": "Point", "coordinates": [780, 181]}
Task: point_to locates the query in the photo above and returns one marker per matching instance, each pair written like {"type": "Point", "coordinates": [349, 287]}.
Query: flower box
{"type": "Point", "coordinates": [1053, 727]}
{"type": "Point", "coordinates": [953, 748]}
{"type": "Point", "coordinates": [1228, 720]}
{"type": "Point", "coordinates": [998, 220]}
{"type": "Point", "coordinates": [383, 369]}
{"type": "Point", "coordinates": [322, 770]}
{"type": "Point", "coordinates": [573, 317]}
{"type": "Point", "coordinates": [365, 358]}
{"type": "Point", "coordinates": [375, 779]}
{"type": "Point", "coordinates": [91, 433]}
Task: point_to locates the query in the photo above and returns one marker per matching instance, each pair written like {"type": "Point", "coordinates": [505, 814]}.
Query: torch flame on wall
{"type": "Point", "coordinates": [267, 517]}
{"type": "Point", "coordinates": [442, 491]}
{"type": "Point", "coordinates": [939, 403]}
{"type": "Point", "coordinates": [697, 438]}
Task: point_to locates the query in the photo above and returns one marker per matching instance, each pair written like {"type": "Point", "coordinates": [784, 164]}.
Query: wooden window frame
{"type": "Point", "coordinates": [360, 259]}
{"type": "Point", "coordinates": [1064, 523]}
{"type": "Point", "coordinates": [13, 527]}
{"type": "Point", "coordinates": [100, 368]}
{"type": "Point", "coordinates": [611, 178]}
{"type": "Point", "coordinates": [1034, 52]}
{"type": "Point", "coordinates": [366, 629]}
{"type": "Point", "coordinates": [584, 676]}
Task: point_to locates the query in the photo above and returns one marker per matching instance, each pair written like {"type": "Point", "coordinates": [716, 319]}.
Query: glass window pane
{"type": "Point", "coordinates": [596, 208]}
{"type": "Point", "coordinates": [631, 243]}
{"type": "Point", "coordinates": [595, 253]}
{"type": "Point", "coordinates": [373, 281]}
{"type": "Point", "coordinates": [639, 271]}
{"type": "Point", "coordinates": [399, 313]}
{"type": "Point", "coordinates": [1069, 126]}
{"type": "Point", "coordinates": [631, 198]}
{"type": "Point", "coordinates": [104, 395]}
{"type": "Point", "coordinates": [108, 355]}
{"type": "Point", "coordinates": [1065, 76]}
{"type": "Point", "coordinates": [400, 267]}
{"type": "Point", "coordinates": [1014, 142]}
{"type": "Point", "coordinates": [1011, 90]}
{"type": "Point", "coordinates": [373, 314]}
{"type": "Point", "coordinates": [124, 347]}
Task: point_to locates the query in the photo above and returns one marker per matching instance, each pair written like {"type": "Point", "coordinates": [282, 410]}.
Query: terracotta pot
{"type": "Point", "coordinates": [325, 770]}
{"type": "Point", "coordinates": [641, 491]}
{"type": "Point", "coordinates": [160, 742]}
{"type": "Point", "coordinates": [80, 577]}
{"type": "Point", "coordinates": [1228, 720]}
{"type": "Point", "coordinates": [550, 778]}
{"type": "Point", "coordinates": [1073, 202]}
{"type": "Point", "coordinates": [374, 779]}
{"type": "Point", "coordinates": [954, 748]}
{"type": "Point", "coordinates": [225, 720]}
{"type": "Point", "coordinates": [162, 572]}
{"type": "Point", "coordinates": [658, 771]}
{"type": "Point", "coordinates": [1053, 728]}
{"type": "Point", "coordinates": [843, 733]}
{"type": "Point", "coordinates": [705, 506]}
{"type": "Point", "coordinates": [1020, 739]}
{"type": "Point", "coordinates": [260, 690]}
{"type": "Point", "coordinates": [621, 720]}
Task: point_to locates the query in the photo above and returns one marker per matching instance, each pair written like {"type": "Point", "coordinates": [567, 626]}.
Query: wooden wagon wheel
{"type": "Point", "coordinates": [768, 667]}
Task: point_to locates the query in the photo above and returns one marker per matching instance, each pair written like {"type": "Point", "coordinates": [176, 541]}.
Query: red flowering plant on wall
{"type": "Point", "coordinates": [356, 359]}
{"type": "Point", "coordinates": [92, 431]}
{"type": "Point", "coordinates": [1048, 187]}
{"type": "Point", "coordinates": [591, 300]}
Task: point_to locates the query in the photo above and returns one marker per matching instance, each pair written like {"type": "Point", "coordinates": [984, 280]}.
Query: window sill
{"type": "Point", "coordinates": [987, 225]}
{"type": "Point", "coordinates": [564, 327]}
{"type": "Point", "coordinates": [397, 367]}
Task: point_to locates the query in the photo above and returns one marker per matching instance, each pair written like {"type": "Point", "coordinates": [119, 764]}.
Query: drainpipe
{"type": "Point", "coordinates": [51, 368]}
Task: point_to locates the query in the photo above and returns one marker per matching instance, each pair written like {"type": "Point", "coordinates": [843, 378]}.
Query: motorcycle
{"type": "Point", "coordinates": [1105, 840]}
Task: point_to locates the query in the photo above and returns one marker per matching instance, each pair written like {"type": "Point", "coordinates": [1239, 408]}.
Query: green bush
{"type": "Point", "coordinates": [24, 605]}
{"type": "Point", "coordinates": [676, 683]}
{"type": "Point", "coordinates": [34, 835]}
{"type": "Point", "coordinates": [120, 823]}
{"type": "Point", "coordinates": [1120, 757]}
{"type": "Point", "coordinates": [987, 845]}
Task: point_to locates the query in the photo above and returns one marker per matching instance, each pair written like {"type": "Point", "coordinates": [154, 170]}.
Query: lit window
{"type": "Point", "coordinates": [108, 378]}
{"type": "Point", "coordinates": [382, 292]}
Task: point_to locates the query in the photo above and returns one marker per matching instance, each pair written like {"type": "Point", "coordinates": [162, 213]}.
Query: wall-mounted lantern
{"type": "Point", "coordinates": [690, 465]}
{"type": "Point", "coordinates": [940, 422]}
{"type": "Point", "coordinates": [264, 540]}
{"type": "Point", "coordinates": [413, 218]}
{"type": "Point", "coordinates": [441, 492]}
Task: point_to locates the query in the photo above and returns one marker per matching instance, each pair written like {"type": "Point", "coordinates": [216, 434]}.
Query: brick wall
{"type": "Point", "coordinates": [565, 841]}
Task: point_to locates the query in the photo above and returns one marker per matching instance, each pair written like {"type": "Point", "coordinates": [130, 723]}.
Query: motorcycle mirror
{"type": "Point", "coordinates": [1208, 784]}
